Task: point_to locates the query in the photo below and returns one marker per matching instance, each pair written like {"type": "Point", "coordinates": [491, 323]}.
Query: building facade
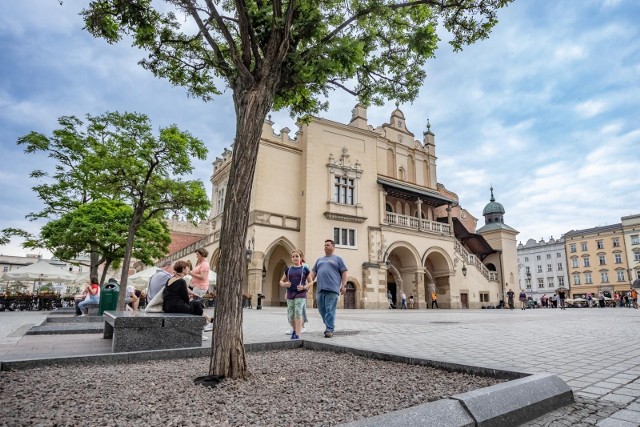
{"type": "Point", "coordinates": [597, 260]}
{"type": "Point", "coordinates": [374, 191]}
{"type": "Point", "coordinates": [631, 232]}
{"type": "Point", "coordinates": [542, 267]}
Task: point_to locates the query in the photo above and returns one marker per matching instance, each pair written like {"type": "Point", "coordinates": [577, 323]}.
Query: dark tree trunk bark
{"type": "Point", "coordinates": [133, 227]}
{"type": "Point", "coordinates": [227, 355]}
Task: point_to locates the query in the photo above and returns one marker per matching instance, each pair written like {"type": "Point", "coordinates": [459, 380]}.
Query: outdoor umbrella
{"type": "Point", "coordinates": [42, 271]}
{"type": "Point", "coordinates": [140, 280]}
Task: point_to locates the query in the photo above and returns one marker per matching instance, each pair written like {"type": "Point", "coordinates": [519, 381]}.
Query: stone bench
{"type": "Point", "coordinates": [139, 331]}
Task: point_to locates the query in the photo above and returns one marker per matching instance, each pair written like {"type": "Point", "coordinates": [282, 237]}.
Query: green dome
{"type": "Point", "coordinates": [493, 207]}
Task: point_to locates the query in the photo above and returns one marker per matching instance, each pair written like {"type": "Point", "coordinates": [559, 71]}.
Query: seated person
{"type": "Point", "coordinates": [131, 299]}
{"type": "Point", "coordinates": [176, 294]}
{"type": "Point", "coordinates": [93, 297]}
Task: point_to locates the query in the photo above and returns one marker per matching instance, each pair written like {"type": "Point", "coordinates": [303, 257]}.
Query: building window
{"type": "Point", "coordinates": [602, 259]}
{"type": "Point", "coordinates": [587, 278]}
{"type": "Point", "coordinates": [5, 268]}
{"type": "Point", "coordinates": [618, 258]}
{"type": "Point", "coordinates": [528, 285]}
{"type": "Point", "coordinates": [540, 283]}
{"type": "Point", "coordinates": [527, 270]}
{"type": "Point", "coordinates": [604, 277]}
{"type": "Point", "coordinates": [538, 257]}
{"type": "Point", "coordinates": [549, 267]}
{"type": "Point", "coordinates": [558, 255]}
{"type": "Point", "coordinates": [635, 239]}
{"type": "Point", "coordinates": [616, 242]}
{"type": "Point", "coordinates": [484, 296]}
{"type": "Point", "coordinates": [586, 262]}
{"type": "Point", "coordinates": [560, 281]}
{"type": "Point", "coordinates": [345, 237]}
{"type": "Point", "coordinates": [559, 266]}
{"type": "Point", "coordinates": [550, 282]}
{"type": "Point", "coordinates": [636, 256]}
{"type": "Point", "coordinates": [539, 269]}
{"type": "Point", "coordinates": [584, 246]}
{"type": "Point", "coordinates": [572, 248]}
{"type": "Point", "coordinates": [548, 256]}
{"type": "Point", "coordinates": [620, 275]}
{"type": "Point", "coordinates": [343, 190]}
{"type": "Point", "coordinates": [574, 263]}
{"type": "Point", "coordinates": [526, 259]}
{"type": "Point", "coordinates": [220, 200]}
{"type": "Point", "coordinates": [600, 244]}
{"type": "Point", "coordinates": [576, 279]}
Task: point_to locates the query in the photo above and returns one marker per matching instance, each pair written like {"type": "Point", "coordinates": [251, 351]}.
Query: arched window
{"type": "Point", "coordinates": [388, 207]}
{"type": "Point", "coordinates": [411, 170]}
{"type": "Point", "coordinates": [401, 174]}
{"type": "Point", "coordinates": [391, 163]}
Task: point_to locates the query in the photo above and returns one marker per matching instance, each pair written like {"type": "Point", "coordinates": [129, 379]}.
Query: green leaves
{"type": "Point", "coordinates": [373, 49]}
{"type": "Point", "coordinates": [113, 177]}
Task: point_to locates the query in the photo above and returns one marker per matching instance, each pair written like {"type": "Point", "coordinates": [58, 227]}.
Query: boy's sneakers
{"type": "Point", "coordinates": [208, 327]}
{"type": "Point", "coordinates": [328, 334]}
{"type": "Point", "coordinates": [294, 336]}
{"type": "Point", "coordinates": [289, 331]}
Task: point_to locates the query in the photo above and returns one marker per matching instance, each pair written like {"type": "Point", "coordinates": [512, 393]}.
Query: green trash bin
{"type": "Point", "coordinates": [109, 296]}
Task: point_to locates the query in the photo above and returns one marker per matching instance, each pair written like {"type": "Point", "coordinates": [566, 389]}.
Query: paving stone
{"type": "Point", "coordinates": [618, 398]}
{"type": "Point", "coordinates": [626, 415]}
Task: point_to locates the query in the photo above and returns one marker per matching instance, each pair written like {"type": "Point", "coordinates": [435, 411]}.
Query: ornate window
{"type": "Point", "coordinates": [344, 190]}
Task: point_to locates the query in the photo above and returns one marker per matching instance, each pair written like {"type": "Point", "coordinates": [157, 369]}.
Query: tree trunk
{"type": "Point", "coordinates": [127, 257]}
{"type": "Point", "coordinates": [227, 355]}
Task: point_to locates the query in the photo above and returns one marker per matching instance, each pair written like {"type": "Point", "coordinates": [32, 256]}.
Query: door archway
{"type": "Point", "coordinates": [350, 296]}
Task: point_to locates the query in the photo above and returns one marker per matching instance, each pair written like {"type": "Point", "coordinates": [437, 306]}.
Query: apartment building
{"type": "Point", "coordinates": [542, 267]}
{"type": "Point", "coordinates": [597, 260]}
{"type": "Point", "coordinates": [631, 231]}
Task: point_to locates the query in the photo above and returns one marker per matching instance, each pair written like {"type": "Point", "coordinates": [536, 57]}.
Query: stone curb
{"type": "Point", "coordinates": [523, 398]}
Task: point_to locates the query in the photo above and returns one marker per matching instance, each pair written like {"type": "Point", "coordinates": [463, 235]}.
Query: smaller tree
{"type": "Point", "coordinates": [146, 172]}
{"type": "Point", "coordinates": [102, 226]}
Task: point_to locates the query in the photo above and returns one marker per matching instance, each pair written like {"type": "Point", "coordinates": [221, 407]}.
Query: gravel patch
{"type": "Point", "coordinates": [285, 387]}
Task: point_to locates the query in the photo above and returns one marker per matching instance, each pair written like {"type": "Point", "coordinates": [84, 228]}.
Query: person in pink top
{"type": "Point", "coordinates": [200, 273]}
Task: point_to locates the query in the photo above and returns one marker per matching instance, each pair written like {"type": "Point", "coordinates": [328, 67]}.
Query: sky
{"type": "Point", "coordinates": [547, 110]}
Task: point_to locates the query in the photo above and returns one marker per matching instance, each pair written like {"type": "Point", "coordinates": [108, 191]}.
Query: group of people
{"type": "Point", "coordinates": [177, 296]}
{"type": "Point", "coordinates": [330, 272]}
{"type": "Point", "coordinates": [559, 298]}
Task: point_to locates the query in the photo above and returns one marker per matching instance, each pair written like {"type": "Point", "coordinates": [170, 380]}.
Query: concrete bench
{"type": "Point", "coordinates": [138, 331]}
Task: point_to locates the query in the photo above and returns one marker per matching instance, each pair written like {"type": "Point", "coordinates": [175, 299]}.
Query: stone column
{"type": "Point", "coordinates": [383, 208]}
{"type": "Point", "coordinates": [419, 204]}
{"type": "Point", "coordinates": [419, 299]}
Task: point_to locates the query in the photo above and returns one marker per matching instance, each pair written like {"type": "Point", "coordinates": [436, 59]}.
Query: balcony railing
{"type": "Point", "coordinates": [471, 259]}
{"type": "Point", "coordinates": [416, 223]}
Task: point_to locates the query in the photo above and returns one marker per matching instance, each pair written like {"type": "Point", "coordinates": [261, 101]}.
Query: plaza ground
{"type": "Point", "coordinates": [595, 351]}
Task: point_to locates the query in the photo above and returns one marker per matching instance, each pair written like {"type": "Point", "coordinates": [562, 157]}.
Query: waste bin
{"type": "Point", "coordinates": [109, 297]}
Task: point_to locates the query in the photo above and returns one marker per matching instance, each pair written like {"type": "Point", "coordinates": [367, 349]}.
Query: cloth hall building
{"type": "Point", "coordinates": [374, 191]}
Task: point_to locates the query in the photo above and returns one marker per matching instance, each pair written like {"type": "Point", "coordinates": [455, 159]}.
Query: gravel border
{"type": "Point", "coordinates": [285, 387]}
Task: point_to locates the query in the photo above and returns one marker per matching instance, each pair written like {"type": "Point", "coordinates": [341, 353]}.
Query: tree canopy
{"type": "Point", "coordinates": [281, 54]}
{"type": "Point", "coordinates": [103, 225]}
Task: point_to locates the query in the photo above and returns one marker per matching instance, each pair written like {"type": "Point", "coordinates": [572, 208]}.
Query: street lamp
{"type": "Point", "coordinates": [464, 270]}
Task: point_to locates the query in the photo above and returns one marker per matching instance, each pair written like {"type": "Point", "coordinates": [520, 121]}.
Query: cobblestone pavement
{"type": "Point", "coordinates": [594, 350]}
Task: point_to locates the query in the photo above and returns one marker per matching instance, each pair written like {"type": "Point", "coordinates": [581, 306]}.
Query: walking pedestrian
{"type": "Point", "coordinates": [510, 296]}
{"type": "Point", "coordinates": [523, 299]}
{"type": "Point", "coordinates": [411, 302]}
{"type": "Point", "coordinates": [434, 299]}
{"type": "Point", "coordinates": [331, 273]}
{"type": "Point", "coordinates": [562, 296]}
{"type": "Point", "coordinates": [403, 297]}
{"type": "Point", "coordinates": [297, 280]}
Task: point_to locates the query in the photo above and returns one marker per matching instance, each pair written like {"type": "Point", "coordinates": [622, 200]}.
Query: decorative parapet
{"type": "Point", "coordinates": [343, 217]}
{"type": "Point", "coordinates": [270, 219]}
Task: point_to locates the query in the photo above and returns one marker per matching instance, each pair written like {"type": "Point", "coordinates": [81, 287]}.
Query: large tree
{"type": "Point", "coordinates": [282, 54]}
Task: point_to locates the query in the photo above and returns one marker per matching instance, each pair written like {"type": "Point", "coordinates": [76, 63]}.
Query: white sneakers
{"type": "Point", "coordinates": [209, 327]}
{"type": "Point", "coordinates": [290, 331]}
